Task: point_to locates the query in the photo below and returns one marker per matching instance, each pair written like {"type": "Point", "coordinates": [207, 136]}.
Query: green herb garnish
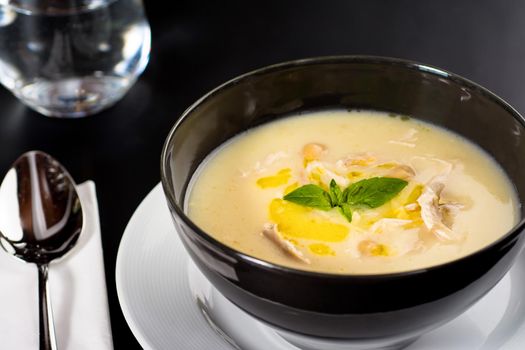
{"type": "Point", "coordinates": [368, 193]}
{"type": "Point", "coordinates": [310, 196]}
{"type": "Point", "coordinates": [346, 210]}
{"type": "Point", "coordinates": [373, 192]}
{"type": "Point", "coordinates": [336, 195]}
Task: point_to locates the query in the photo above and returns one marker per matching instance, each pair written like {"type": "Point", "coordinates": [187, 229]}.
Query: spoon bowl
{"type": "Point", "coordinates": [40, 220]}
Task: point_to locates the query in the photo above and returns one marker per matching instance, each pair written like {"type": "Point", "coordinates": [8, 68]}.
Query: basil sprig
{"type": "Point", "coordinates": [368, 193]}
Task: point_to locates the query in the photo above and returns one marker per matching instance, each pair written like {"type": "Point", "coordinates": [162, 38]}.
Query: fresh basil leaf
{"type": "Point", "coordinates": [345, 209]}
{"type": "Point", "coordinates": [373, 192]}
{"type": "Point", "coordinates": [336, 195]}
{"type": "Point", "coordinates": [310, 196]}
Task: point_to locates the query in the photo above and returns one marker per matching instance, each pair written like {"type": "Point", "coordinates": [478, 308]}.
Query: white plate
{"type": "Point", "coordinates": [159, 290]}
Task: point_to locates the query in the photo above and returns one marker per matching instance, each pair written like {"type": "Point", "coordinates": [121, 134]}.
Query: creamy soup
{"type": "Point", "coordinates": [353, 193]}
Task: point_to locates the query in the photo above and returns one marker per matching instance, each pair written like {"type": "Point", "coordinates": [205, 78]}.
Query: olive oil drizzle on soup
{"type": "Point", "coordinates": [353, 193]}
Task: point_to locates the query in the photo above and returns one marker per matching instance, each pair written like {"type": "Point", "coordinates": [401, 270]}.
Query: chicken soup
{"type": "Point", "coordinates": [355, 192]}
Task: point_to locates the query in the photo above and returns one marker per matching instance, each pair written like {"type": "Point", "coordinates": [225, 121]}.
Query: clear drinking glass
{"type": "Point", "coordinates": [71, 58]}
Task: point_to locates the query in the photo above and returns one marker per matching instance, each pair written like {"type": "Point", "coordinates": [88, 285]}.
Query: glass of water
{"type": "Point", "coordinates": [72, 58]}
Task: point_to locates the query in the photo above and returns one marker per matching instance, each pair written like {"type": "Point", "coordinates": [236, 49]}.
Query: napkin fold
{"type": "Point", "coordinates": [77, 290]}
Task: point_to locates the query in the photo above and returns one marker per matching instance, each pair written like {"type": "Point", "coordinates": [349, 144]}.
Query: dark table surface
{"type": "Point", "coordinates": [199, 44]}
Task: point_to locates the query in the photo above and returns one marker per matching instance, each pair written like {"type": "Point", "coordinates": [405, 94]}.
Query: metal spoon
{"type": "Point", "coordinates": [41, 220]}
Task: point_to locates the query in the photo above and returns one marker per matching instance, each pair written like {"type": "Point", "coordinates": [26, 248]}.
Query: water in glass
{"type": "Point", "coordinates": [72, 58]}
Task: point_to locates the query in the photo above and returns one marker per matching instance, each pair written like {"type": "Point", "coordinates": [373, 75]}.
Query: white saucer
{"type": "Point", "coordinates": [169, 304]}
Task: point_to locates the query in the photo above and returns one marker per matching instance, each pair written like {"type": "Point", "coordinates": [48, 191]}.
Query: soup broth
{"type": "Point", "coordinates": [355, 192]}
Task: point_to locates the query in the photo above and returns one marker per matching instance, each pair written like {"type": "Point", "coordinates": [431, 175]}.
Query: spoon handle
{"type": "Point", "coordinates": [47, 327]}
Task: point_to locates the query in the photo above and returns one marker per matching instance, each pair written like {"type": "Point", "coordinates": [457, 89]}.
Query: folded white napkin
{"type": "Point", "coordinates": [77, 290]}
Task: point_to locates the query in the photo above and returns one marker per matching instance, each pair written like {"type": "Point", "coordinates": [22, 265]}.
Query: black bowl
{"type": "Point", "coordinates": [383, 309]}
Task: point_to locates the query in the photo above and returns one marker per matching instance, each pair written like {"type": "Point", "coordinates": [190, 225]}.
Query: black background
{"type": "Point", "coordinates": [200, 44]}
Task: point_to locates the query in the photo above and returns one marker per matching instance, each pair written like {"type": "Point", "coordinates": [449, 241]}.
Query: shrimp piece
{"type": "Point", "coordinates": [313, 151]}
{"type": "Point", "coordinates": [270, 231]}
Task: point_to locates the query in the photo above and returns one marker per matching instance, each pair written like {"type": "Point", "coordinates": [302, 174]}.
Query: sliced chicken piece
{"type": "Point", "coordinates": [262, 166]}
{"type": "Point", "coordinates": [382, 225]}
{"type": "Point", "coordinates": [325, 174]}
{"type": "Point", "coordinates": [427, 169]}
{"type": "Point", "coordinates": [368, 247]}
{"type": "Point", "coordinates": [270, 231]}
{"type": "Point", "coordinates": [389, 237]}
{"type": "Point", "coordinates": [434, 215]}
{"type": "Point", "coordinates": [364, 159]}
{"type": "Point", "coordinates": [450, 211]}
{"type": "Point", "coordinates": [412, 207]}
{"type": "Point", "coordinates": [407, 140]}
{"type": "Point", "coordinates": [402, 171]}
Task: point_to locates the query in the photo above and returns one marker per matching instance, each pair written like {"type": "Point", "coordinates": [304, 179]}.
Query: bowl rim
{"type": "Point", "coordinates": [516, 230]}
